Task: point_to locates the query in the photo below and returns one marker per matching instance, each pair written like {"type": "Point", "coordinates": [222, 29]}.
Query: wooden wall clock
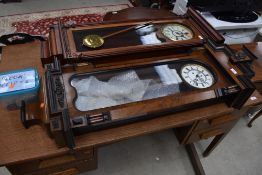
{"type": "Point", "coordinates": [81, 99]}
{"type": "Point", "coordinates": [181, 32]}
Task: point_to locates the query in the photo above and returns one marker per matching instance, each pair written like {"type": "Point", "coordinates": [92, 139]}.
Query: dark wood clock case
{"type": "Point", "coordinates": [66, 59]}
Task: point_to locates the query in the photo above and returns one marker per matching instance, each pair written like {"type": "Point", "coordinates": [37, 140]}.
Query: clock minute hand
{"type": "Point", "coordinates": [199, 78]}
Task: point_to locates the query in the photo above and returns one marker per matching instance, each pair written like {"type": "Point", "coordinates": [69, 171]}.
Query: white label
{"type": "Point", "coordinates": [168, 76]}
{"type": "Point", "coordinates": [234, 71]}
{"type": "Point", "coordinates": [253, 98]}
{"type": "Point", "coordinates": [149, 38]}
{"type": "Point", "coordinates": [200, 37]}
{"type": "Point", "coordinates": [17, 81]}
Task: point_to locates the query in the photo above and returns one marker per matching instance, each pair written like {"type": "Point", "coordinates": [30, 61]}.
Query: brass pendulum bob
{"type": "Point", "coordinates": [95, 41]}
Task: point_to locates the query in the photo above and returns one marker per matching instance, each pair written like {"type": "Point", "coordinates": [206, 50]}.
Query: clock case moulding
{"type": "Point", "coordinates": [64, 121]}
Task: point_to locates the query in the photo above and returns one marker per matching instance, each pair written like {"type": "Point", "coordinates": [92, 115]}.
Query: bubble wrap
{"type": "Point", "coordinates": [160, 90]}
{"type": "Point", "coordinates": [129, 85]}
{"type": "Point", "coordinates": [82, 85]}
{"type": "Point", "coordinates": [85, 103]}
{"type": "Point", "coordinates": [146, 30]}
{"type": "Point", "coordinates": [123, 88]}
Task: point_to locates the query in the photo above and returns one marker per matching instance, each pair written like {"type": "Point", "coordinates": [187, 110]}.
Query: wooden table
{"type": "Point", "coordinates": [31, 149]}
{"type": "Point", "coordinates": [32, 152]}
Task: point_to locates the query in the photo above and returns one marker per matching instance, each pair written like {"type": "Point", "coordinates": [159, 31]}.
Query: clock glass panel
{"type": "Point", "coordinates": [177, 32]}
{"type": "Point", "coordinates": [197, 76]}
{"type": "Point", "coordinates": [115, 87]}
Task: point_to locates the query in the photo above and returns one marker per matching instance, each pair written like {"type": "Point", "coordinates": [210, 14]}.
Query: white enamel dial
{"type": "Point", "coordinates": [177, 32]}
{"type": "Point", "coordinates": [197, 76]}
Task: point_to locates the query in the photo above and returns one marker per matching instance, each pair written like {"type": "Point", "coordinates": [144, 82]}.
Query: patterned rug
{"type": "Point", "coordinates": [39, 23]}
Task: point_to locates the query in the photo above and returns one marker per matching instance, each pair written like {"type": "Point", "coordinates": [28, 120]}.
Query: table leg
{"type": "Point", "coordinates": [254, 118]}
{"type": "Point", "coordinates": [213, 144]}
{"type": "Point", "coordinates": [194, 158]}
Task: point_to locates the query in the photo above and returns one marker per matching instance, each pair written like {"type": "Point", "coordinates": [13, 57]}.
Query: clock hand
{"type": "Point", "coordinates": [183, 37]}
{"type": "Point", "coordinates": [200, 78]}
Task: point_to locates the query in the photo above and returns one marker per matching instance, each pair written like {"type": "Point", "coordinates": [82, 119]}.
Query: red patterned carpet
{"type": "Point", "coordinates": [41, 27]}
{"type": "Point", "coordinates": [39, 23]}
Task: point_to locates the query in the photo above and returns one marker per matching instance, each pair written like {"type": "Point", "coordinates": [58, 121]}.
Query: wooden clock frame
{"type": "Point", "coordinates": [65, 121]}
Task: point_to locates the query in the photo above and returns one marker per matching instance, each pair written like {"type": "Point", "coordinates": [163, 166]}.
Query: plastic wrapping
{"type": "Point", "coordinates": [123, 88]}
{"type": "Point", "coordinates": [156, 90]}
{"type": "Point", "coordinates": [148, 35]}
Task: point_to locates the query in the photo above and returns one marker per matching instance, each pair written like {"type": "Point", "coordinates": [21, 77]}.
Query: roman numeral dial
{"type": "Point", "coordinates": [197, 76]}
{"type": "Point", "coordinates": [177, 32]}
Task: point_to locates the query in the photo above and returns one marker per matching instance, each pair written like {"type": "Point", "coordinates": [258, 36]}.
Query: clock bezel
{"type": "Point", "coordinates": [179, 24]}
{"type": "Point", "coordinates": [206, 66]}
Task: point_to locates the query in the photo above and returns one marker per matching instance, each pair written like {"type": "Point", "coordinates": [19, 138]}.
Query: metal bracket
{"type": "Point", "coordinates": [89, 120]}
{"type": "Point", "coordinates": [26, 119]}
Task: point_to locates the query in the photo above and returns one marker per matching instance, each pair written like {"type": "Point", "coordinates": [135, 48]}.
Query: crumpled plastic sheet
{"type": "Point", "coordinates": [123, 88]}
{"type": "Point", "coordinates": [156, 90]}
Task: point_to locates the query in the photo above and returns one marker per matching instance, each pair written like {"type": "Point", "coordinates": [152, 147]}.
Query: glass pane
{"type": "Point", "coordinates": [110, 88]}
{"type": "Point", "coordinates": [141, 36]}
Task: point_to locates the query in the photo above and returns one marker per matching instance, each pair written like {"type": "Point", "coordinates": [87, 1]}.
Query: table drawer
{"type": "Point", "coordinates": [57, 163]}
{"type": "Point", "coordinates": [216, 121]}
{"type": "Point", "coordinates": [211, 131]}
{"type": "Point", "coordinates": [205, 128]}
{"type": "Point", "coordinates": [72, 168]}
{"type": "Point", "coordinates": [222, 120]}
